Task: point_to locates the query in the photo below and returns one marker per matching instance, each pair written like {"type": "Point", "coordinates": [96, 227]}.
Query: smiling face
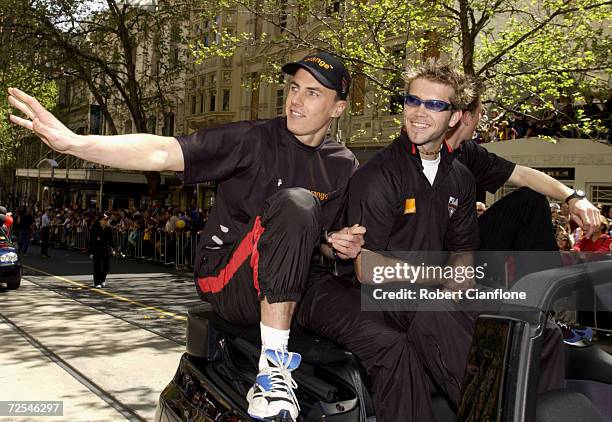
{"type": "Point", "coordinates": [562, 242]}
{"type": "Point", "coordinates": [310, 108]}
{"type": "Point", "coordinates": [425, 127]}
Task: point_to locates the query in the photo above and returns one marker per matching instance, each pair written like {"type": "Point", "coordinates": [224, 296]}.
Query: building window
{"type": "Point", "coordinates": [396, 101]}
{"type": "Point", "coordinates": [258, 23]}
{"type": "Point", "coordinates": [227, 78]}
{"type": "Point", "coordinates": [168, 129]}
{"type": "Point", "coordinates": [432, 44]}
{"type": "Point", "coordinates": [152, 125]}
{"type": "Point", "coordinates": [202, 103]}
{"type": "Point", "coordinates": [283, 15]}
{"type": "Point", "coordinates": [280, 101]}
{"type": "Point", "coordinates": [213, 100]}
{"type": "Point", "coordinates": [358, 95]}
{"type": "Point", "coordinates": [599, 193]}
{"type": "Point", "coordinates": [396, 104]}
{"type": "Point", "coordinates": [95, 119]}
{"type": "Point", "coordinates": [193, 104]}
{"type": "Point", "coordinates": [254, 96]}
{"type": "Point", "coordinates": [333, 7]}
{"type": "Point", "coordinates": [226, 100]}
{"type": "Point", "coordinates": [127, 126]}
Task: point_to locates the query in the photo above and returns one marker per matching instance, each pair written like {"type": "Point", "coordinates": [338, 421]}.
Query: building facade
{"type": "Point", "coordinates": [243, 86]}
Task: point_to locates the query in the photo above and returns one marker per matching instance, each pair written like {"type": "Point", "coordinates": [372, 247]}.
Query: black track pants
{"type": "Point", "coordinates": [331, 307]}
{"type": "Point", "coordinates": [101, 267]}
{"type": "Point", "coordinates": [520, 221]}
{"type": "Point", "coordinates": [271, 260]}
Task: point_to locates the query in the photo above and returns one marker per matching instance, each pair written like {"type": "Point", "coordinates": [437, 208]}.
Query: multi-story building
{"type": "Point", "coordinates": [243, 86]}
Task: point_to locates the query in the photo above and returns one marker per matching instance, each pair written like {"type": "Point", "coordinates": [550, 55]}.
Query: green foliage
{"type": "Point", "coordinates": [12, 136]}
{"type": "Point", "coordinates": [528, 52]}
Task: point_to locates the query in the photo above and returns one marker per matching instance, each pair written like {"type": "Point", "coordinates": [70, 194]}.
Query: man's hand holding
{"type": "Point", "coordinates": [348, 241]}
{"type": "Point", "coordinates": [586, 215]}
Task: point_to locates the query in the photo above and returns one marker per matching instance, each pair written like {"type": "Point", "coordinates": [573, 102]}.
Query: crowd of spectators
{"type": "Point", "coordinates": [154, 232]}
{"type": "Point", "coordinates": [570, 237]}
{"type": "Point", "coordinates": [567, 120]}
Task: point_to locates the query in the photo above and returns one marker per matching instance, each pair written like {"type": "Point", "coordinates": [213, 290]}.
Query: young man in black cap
{"type": "Point", "coordinates": [281, 181]}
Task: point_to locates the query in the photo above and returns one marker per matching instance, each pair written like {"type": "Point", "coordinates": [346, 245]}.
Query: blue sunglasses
{"type": "Point", "coordinates": [432, 105]}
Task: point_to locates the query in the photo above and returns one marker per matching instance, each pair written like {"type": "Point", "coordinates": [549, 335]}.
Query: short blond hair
{"type": "Point", "coordinates": [435, 71]}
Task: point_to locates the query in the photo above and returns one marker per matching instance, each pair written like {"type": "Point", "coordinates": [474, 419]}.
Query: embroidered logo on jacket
{"type": "Point", "coordinates": [321, 196]}
{"type": "Point", "coordinates": [453, 203]}
{"type": "Point", "coordinates": [410, 206]}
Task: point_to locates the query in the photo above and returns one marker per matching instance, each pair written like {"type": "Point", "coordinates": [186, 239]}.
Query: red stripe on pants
{"type": "Point", "coordinates": [247, 247]}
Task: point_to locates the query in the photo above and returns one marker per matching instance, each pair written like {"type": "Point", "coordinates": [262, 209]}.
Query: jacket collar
{"type": "Point", "coordinates": [446, 153]}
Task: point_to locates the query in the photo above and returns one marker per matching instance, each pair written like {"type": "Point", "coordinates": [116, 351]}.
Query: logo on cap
{"type": "Point", "coordinates": [319, 61]}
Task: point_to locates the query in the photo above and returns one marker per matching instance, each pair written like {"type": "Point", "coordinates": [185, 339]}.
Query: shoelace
{"type": "Point", "coordinates": [283, 370]}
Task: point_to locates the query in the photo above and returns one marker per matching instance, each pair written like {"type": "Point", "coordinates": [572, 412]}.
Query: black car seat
{"type": "Point", "coordinates": [331, 379]}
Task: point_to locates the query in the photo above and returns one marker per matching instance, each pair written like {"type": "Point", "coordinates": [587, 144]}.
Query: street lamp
{"type": "Point", "coordinates": [53, 164]}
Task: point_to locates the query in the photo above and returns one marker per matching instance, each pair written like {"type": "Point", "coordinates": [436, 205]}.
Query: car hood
{"type": "Point", "coordinates": [5, 249]}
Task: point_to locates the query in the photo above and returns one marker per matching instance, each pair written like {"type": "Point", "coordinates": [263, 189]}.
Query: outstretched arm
{"type": "Point", "coordinates": [139, 151]}
{"type": "Point", "coordinates": [583, 212]}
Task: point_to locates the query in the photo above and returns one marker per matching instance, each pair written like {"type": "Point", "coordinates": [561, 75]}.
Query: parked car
{"type": "Point", "coordinates": [10, 265]}
{"type": "Point", "coordinates": [500, 382]}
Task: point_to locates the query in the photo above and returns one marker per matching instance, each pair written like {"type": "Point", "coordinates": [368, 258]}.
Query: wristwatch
{"type": "Point", "coordinates": [576, 194]}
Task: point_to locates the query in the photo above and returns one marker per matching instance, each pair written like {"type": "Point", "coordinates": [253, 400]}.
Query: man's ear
{"type": "Point", "coordinates": [339, 109]}
{"type": "Point", "coordinates": [466, 118]}
{"type": "Point", "coordinates": [455, 117]}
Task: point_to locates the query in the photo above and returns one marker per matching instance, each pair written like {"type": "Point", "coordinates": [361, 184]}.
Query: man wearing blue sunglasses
{"type": "Point", "coordinates": [413, 195]}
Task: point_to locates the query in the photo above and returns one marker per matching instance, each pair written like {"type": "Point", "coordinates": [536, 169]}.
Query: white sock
{"type": "Point", "coordinates": [271, 338]}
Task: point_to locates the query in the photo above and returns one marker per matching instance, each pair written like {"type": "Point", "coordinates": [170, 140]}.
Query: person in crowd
{"type": "Point", "coordinates": [554, 210]}
{"type": "Point", "coordinates": [45, 231]}
{"type": "Point", "coordinates": [565, 242]}
{"type": "Point", "coordinates": [506, 132]}
{"type": "Point", "coordinates": [599, 242]}
{"type": "Point", "coordinates": [480, 208]}
{"type": "Point", "coordinates": [100, 249]}
{"type": "Point", "coordinates": [26, 226]}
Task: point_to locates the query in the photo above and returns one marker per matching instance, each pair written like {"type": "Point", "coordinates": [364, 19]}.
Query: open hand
{"type": "Point", "coordinates": [40, 121]}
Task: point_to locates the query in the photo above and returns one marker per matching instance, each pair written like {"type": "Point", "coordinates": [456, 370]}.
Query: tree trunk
{"type": "Point", "coordinates": [467, 41]}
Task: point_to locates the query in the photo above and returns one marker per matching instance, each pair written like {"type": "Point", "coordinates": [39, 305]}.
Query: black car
{"type": "Point", "coordinates": [10, 265]}
{"type": "Point", "coordinates": [500, 382]}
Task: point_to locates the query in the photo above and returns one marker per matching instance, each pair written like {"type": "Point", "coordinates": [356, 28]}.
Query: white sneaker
{"type": "Point", "coordinates": [98, 286]}
{"type": "Point", "coordinates": [104, 284]}
{"type": "Point", "coordinates": [272, 396]}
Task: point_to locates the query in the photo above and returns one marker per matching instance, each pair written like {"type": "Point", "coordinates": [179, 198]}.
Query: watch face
{"type": "Point", "coordinates": [580, 193]}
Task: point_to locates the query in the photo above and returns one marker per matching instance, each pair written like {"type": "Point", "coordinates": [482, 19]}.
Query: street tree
{"type": "Point", "coordinates": [130, 55]}
{"type": "Point", "coordinates": [18, 67]}
{"type": "Point", "coordinates": [530, 52]}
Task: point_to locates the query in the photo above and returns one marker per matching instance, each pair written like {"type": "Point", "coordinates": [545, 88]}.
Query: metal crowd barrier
{"type": "Point", "coordinates": [177, 249]}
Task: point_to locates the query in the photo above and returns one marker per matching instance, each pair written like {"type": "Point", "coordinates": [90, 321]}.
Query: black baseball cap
{"type": "Point", "coordinates": [326, 69]}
